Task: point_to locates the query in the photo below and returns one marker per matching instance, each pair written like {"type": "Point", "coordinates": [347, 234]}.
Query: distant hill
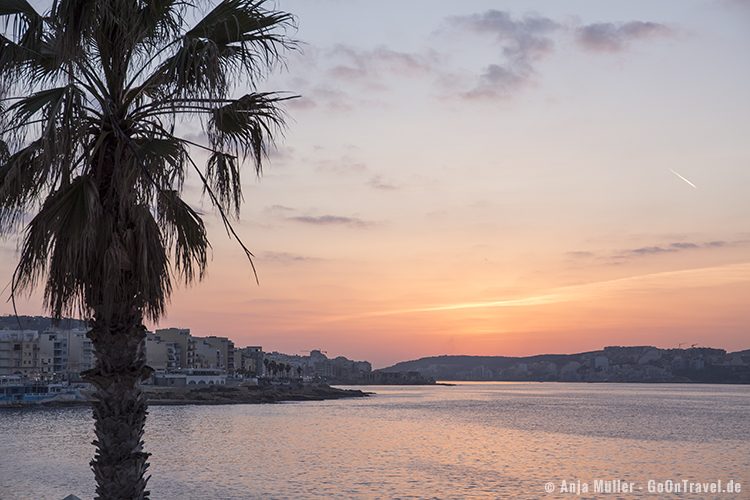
{"type": "Point", "coordinates": [612, 364]}
{"type": "Point", "coordinates": [38, 323]}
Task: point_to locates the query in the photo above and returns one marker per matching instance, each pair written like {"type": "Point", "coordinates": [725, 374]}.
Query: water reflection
{"type": "Point", "coordinates": [472, 440]}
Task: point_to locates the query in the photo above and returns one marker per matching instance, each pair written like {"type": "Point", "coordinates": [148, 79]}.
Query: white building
{"type": "Point", "coordinates": [67, 352]}
{"type": "Point", "coordinates": [191, 377]}
{"type": "Point", "coordinates": [19, 352]}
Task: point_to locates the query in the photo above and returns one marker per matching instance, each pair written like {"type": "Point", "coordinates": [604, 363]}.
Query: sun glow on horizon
{"type": "Point", "coordinates": [698, 277]}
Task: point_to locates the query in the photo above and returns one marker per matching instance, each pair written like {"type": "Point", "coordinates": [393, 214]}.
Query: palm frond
{"type": "Point", "coordinates": [157, 21]}
{"type": "Point", "coordinates": [47, 100]}
{"type": "Point", "coordinates": [27, 22]}
{"type": "Point", "coordinates": [148, 262]}
{"type": "Point", "coordinates": [61, 242]}
{"type": "Point", "coordinates": [23, 179]}
{"type": "Point", "coordinates": [185, 234]}
{"type": "Point", "coordinates": [75, 23]}
{"type": "Point", "coordinates": [223, 177]}
{"type": "Point", "coordinates": [20, 7]}
{"type": "Point", "coordinates": [247, 125]}
{"type": "Point", "coordinates": [90, 93]}
{"type": "Point", "coordinates": [163, 161]}
{"type": "Point", "coordinates": [236, 38]}
{"type": "Point", "coordinates": [244, 21]}
{"type": "Point", "coordinates": [25, 58]}
{"type": "Point", "coordinates": [4, 150]}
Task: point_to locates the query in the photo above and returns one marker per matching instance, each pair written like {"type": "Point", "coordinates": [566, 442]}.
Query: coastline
{"type": "Point", "coordinates": [218, 394]}
{"type": "Point", "coordinates": [222, 395]}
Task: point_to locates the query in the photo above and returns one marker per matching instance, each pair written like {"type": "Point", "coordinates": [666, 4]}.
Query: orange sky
{"type": "Point", "coordinates": [494, 178]}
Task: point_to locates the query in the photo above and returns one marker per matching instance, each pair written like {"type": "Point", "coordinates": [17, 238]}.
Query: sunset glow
{"type": "Point", "coordinates": [480, 178]}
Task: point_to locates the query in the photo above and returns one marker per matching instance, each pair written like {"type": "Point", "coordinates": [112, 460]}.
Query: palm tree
{"type": "Point", "coordinates": [287, 369]}
{"type": "Point", "coordinates": [92, 169]}
{"type": "Point", "coordinates": [299, 372]}
{"type": "Point", "coordinates": [265, 364]}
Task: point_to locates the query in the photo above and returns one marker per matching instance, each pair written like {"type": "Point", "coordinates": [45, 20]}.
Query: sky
{"type": "Point", "coordinates": [492, 178]}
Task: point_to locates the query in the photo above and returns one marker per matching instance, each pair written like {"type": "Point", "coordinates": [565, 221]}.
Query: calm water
{"type": "Point", "coordinates": [475, 440]}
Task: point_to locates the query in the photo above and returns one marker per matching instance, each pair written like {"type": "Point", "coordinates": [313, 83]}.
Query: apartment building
{"type": "Point", "coordinates": [184, 344]}
{"type": "Point", "coordinates": [19, 352]}
{"type": "Point", "coordinates": [162, 355]}
{"type": "Point", "coordinates": [249, 360]}
{"type": "Point", "coordinates": [67, 351]}
{"type": "Point", "coordinates": [224, 349]}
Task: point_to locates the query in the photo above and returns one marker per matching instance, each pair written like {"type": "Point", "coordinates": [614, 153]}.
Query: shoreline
{"type": "Point", "coordinates": [583, 382]}
{"type": "Point", "coordinates": [222, 395]}
{"type": "Point", "coordinates": [217, 395]}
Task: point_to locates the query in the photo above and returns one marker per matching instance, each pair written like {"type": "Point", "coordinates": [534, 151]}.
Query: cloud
{"type": "Point", "coordinates": [622, 256]}
{"type": "Point", "coordinates": [679, 246]}
{"type": "Point", "coordinates": [281, 155]}
{"type": "Point", "coordinates": [499, 81]}
{"type": "Point", "coordinates": [329, 98]}
{"type": "Point", "coordinates": [291, 214]}
{"type": "Point", "coordinates": [611, 37]}
{"type": "Point", "coordinates": [279, 209]}
{"type": "Point", "coordinates": [377, 182]}
{"type": "Point", "coordinates": [331, 220]}
{"type": "Point", "coordinates": [342, 77]}
{"type": "Point", "coordinates": [649, 250]}
{"type": "Point", "coordinates": [286, 257]}
{"type": "Point", "coordinates": [523, 42]}
{"type": "Point", "coordinates": [328, 71]}
{"type": "Point", "coordinates": [315, 92]}
{"type": "Point", "coordinates": [684, 246]}
{"type": "Point", "coordinates": [521, 39]}
{"type": "Point", "coordinates": [303, 103]}
{"type": "Point", "coordinates": [344, 164]}
{"type": "Point", "coordinates": [718, 244]}
{"type": "Point", "coordinates": [580, 254]}
{"type": "Point", "coordinates": [370, 65]}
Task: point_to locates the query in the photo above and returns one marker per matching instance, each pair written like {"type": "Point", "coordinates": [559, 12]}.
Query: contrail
{"type": "Point", "coordinates": [681, 177]}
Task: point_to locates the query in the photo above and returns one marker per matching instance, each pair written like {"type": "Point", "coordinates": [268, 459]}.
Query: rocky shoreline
{"type": "Point", "coordinates": [224, 395]}
{"type": "Point", "coordinates": [228, 394]}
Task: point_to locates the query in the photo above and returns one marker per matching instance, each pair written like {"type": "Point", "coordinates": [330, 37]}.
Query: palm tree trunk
{"type": "Point", "coordinates": [119, 406]}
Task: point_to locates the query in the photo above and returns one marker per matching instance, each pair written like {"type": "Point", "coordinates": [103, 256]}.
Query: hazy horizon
{"type": "Point", "coordinates": [333, 354]}
{"type": "Point", "coordinates": [492, 178]}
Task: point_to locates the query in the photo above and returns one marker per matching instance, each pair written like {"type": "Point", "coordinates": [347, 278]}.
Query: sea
{"type": "Point", "coordinates": [470, 440]}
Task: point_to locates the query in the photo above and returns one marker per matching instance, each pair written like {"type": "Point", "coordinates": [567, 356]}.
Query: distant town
{"type": "Point", "coordinates": [35, 347]}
